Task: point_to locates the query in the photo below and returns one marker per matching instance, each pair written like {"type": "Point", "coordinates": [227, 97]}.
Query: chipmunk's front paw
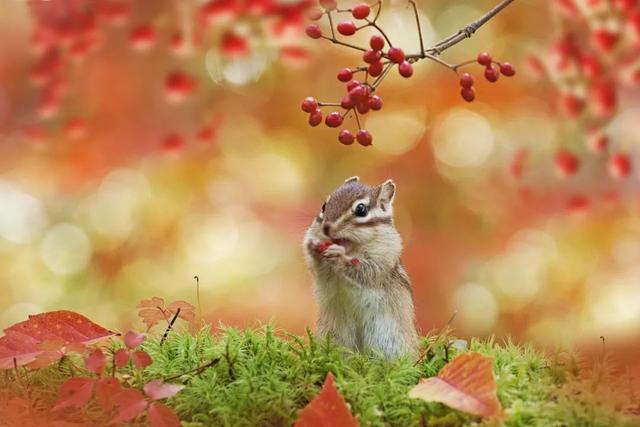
{"type": "Point", "coordinates": [334, 252]}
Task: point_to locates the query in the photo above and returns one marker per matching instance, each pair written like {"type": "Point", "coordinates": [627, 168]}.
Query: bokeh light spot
{"type": "Point", "coordinates": [463, 139]}
{"type": "Point", "coordinates": [65, 249]}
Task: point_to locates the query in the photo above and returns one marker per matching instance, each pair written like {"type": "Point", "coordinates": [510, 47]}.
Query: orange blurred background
{"type": "Point", "coordinates": [113, 190]}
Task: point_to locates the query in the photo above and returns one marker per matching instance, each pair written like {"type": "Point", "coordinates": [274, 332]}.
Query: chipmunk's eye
{"type": "Point", "coordinates": [361, 210]}
{"type": "Point", "coordinates": [324, 205]}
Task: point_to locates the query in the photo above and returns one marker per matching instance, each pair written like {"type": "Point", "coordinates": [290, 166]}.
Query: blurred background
{"type": "Point", "coordinates": [143, 143]}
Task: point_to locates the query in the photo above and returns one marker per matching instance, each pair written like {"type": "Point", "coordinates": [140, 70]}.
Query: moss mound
{"type": "Point", "coordinates": [264, 377]}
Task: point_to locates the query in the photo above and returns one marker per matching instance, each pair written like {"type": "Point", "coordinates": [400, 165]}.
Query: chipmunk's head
{"type": "Point", "coordinates": [356, 215]}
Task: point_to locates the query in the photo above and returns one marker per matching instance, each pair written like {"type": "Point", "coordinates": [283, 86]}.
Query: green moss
{"type": "Point", "coordinates": [264, 377]}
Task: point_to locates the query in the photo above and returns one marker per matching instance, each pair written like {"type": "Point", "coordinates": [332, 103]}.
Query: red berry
{"type": "Point", "coordinates": [620, 165]}
{"type": "Point", "coordinates": [346, 137]}
{"type": "Point", "coordinates": [352, 84]}
{"type": "Point", "coordinates": [375, 69]}
{"type": "Point", "coordinates": [375, 102]}
{"type": "Point", "coordinates": [309, 105]}
{"type": "Point", "coordinates": [323, 246]}
{"type": "Point", "coordinates": [405, 69]}
{"type": "Point", "coordinates": [359, 93]}
{"type": "Point", "coordinates": [484, 59]}
{"type": "Point", "coordinates": [361, 11]}
{"type": "Point", "coordinates": [468, 94]}
{"type": "Point", "coordinates": [313, 31]}
{"type": "Point", "coordinates": [491, 73]}
{"type": "Point", "coordinates": [334, 119]}
{"type": "Point", "coordinates": [466, 80]}
{"type": "Point", "coordinates": [329, 4]}
{"type": "Point", "coordinates": [364, 137]}
{"type": "Point", "coordinates": [370, 56]}
{"type": "Point", "coordinates": [507, 69]}
{"type": "Point", "coordinates": [597, 142]}
{"type": "Point", "coordinates": [363, 106]}
{"type": "Point", "coordinates": [604, 39]}
{"type": "Point", "coordinates": [603, 98]}
{"type": "Point", "coordinates": [347, 103]}
{"type": "Point", "coordinates": [347, 28]}
{"type": "Point", "coordinates": [376, 42]}
{"type": "Point", "coordinates": [345, 75]}
{"type": "Point", "coordinates": [315, 118]}
{"type": "Point", "coordinates": [314, 14]}
{"type": "Point", "coordinates": [396, 55]}
{"type": "Point", "coordinates": [571, 104]}
{"type": "Point", "coordinates": [567, 163]}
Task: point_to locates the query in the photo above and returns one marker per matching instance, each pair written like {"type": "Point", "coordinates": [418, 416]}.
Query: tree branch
{"type": "Point", "coordinates": [467, 31]}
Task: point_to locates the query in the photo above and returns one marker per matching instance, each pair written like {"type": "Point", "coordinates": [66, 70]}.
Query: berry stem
{"type": "Point", "coordinates": [415, 13]}
{"type": "Point", "coordinates": [379, 4]}
{"type": "Point", "coordinates": [333, 39]}
{"type": "Point", "coordinates": [378, 80]}
{"type": "Point", "coordinates": [380, 30]}
{"type": "Point", "coordinates": [333, 32]}
{"type": "Point", "coordinates": [355, 112]}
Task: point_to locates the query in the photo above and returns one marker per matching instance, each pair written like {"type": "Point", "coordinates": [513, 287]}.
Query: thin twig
{"type": "Point", "coordinates": [467, 31]}
{"type": "Point", "coordinates": [200, 369]}
{"type": "Point", "coordinates": [170, 325]}
{"type": "Point", "coordinates": [415, 12]}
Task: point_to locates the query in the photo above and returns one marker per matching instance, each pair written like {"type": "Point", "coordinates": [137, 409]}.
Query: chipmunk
{"type": "Point", "coordinates": [364, 293]}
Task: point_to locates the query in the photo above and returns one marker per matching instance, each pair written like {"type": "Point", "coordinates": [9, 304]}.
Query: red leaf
{"type": "Point", "coordinates": [141, 359]}
{"type": "Point", "coordinates": [121, 357]}
{"type": "Point", "coordinates": [21, 341]}
{"type": "Point", "coordinates": [152, 311]}
{"type": "Point", "coordinates": [160, 415]}
{"type": "Point", "coordinates": [157, 390]}
{"type": "Point", "coordinates": [133, 339]}
{"type": "Point", "coordinates": [328, 408]}
{"type": "Point", "coordinates": [106, 391]}
{"type": "Point", "coordinates": [96, 361]}
{"type": "Point", "coordinates": [74, 392]}
{"type": "Point", "coordinates": [154, 302]}
{"type": "Point", "coordinates": [130, 403]}
{"type": "Point", "coordinates": [187, 311]}
{"type": "Point", "coordinates": [466, 384]}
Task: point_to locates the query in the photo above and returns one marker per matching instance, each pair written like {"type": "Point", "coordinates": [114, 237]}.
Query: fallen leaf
{"type": "Point", "coordinates": [157, 390]}
{"type": "Point", "coordinates": [466, 384]}
{"type": "Point", "coordinates": [74, 392]}
{"type": "Point", "coordinates": [328, 408]}
{"type": "Point", "coordinates": [22, 342]}
{"type": "Point", "coordinates": [160, 415]}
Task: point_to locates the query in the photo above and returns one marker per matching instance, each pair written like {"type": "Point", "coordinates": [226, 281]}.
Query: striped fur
{"type": "Point", "coordinates": [367, 305]}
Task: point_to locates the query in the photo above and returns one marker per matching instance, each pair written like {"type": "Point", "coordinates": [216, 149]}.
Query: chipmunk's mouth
{"type": "Point", "coordinates": [342, 242]}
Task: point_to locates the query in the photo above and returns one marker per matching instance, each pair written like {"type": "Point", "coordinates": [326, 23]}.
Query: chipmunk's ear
{"type": "Point", "coordinates": [352, 179]}
{"type": "Point", "coordinates": [386, 194]}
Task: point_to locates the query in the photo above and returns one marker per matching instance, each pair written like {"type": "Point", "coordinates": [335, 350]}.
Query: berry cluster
{"type": "Point", "coordinates": [491, 73]}
{"type": "Point", "coordinates": [67, 32]}
{"type": "Point", "coordinates": [379, 58]}
{"type": "Point", "coordinates": [590, 61]}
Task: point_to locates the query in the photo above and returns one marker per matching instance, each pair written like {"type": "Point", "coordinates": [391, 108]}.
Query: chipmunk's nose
{"type": "Point", "coordinates": [326, 228]}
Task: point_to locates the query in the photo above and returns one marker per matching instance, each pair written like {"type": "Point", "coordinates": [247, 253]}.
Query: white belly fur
{"type": "Point", "coordinates": [359, 317]}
